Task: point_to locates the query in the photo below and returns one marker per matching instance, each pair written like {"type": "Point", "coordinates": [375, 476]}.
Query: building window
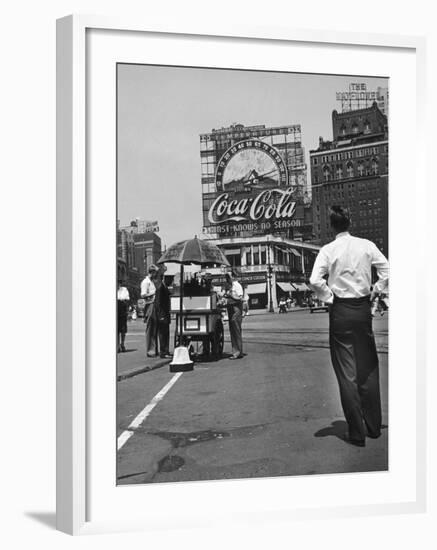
{"type": "Point", "coordinates": [208, 169]}
{"type": "Point", "coordinates": [326, 173]}
{"type": "Point", "coordinates": [263, 255]}
{"type": "Point", "coordinates": [374, 166]}
{"type": "Point", "coordinates": [355, 128]}
{"type": "Point", "coordinates": [343, 130]}
{"type": "Point", "coordinates": [234, 259]}
{"type": "Point", "coordinates": [350, 170]}
{"type": "Point", "coordinates": [339, 172]}
{"type": "Point", "coordinates": [360, 169]}
{"type": "Point", "coordinates": [367, 127]}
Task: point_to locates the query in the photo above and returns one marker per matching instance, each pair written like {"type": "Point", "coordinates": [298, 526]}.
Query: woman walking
{"type": "Point", "coordinates": [122, 311]}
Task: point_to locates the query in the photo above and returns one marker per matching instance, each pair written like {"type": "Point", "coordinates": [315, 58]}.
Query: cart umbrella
{"type": "Point", "coordinates": [192, 251]}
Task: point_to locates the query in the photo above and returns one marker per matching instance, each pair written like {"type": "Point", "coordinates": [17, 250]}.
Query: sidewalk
{"type": "Point", "coordinates": [134, 360]}
{"type": "Point", "coordinates": [145, 365]}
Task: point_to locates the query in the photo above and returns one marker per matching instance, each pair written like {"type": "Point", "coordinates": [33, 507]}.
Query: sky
{"type": "Point", "coordinates": [163, 110]}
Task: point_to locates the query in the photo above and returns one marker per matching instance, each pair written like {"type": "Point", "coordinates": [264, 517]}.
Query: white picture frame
{"type": "Point", "coordinates": [74, 473]}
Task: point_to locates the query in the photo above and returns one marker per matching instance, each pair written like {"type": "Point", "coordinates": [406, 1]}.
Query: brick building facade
{"type": "Point", "coordinates": [352, 171]}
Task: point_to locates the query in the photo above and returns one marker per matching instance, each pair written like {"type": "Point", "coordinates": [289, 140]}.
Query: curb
{"type": "Point", "coordinates": [141, 370]}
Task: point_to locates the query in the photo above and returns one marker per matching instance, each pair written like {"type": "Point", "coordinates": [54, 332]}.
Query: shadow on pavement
{"type": "Point", "coordinates": [210, 358]}
{"type": "Point", "coordinates": [337, 429]}
{"type": "Point", "coordinates": [200, 359]}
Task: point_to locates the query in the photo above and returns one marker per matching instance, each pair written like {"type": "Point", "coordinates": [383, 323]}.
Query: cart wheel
{"type": "Point", "coordinates": [206, 347]}
{"type": "Point", "coordinates": [218, 339]}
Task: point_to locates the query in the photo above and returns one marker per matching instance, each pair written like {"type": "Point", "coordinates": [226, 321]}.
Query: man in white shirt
{"type": "Point", "coordinates": [234, 296]}
{"type": "Point", "coordinates": [148, 292]}
{"type": "Point", "coordinates": [347, 264]}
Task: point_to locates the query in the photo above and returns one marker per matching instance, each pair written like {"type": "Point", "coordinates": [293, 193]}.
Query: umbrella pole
{"type": "Point", "coordinates": [181, 305]}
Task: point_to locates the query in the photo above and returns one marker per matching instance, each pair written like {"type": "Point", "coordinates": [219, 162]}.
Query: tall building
{"type": "Point", "coordinates": [139, 225]}
{"type": "Point", "coordinates": [148, 250]}
{"type": "Point", "coordinates": [126, 269]}
{"type": "Point", "coordinates": [136, 251]}
{"type": "Point", "coordinates": [352, 171]}
{"type": "Point", "coordinates": [256, 207]}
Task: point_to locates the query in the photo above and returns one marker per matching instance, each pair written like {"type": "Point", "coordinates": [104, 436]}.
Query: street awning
{"type": "Point", "coordinates": [286, 287]}
{"type": "Point", "coordinates": [295, 252]}
{"type": "Point", "coordinates": [258, 288]}
{"type": "Point", "coordinates": [301, 286]}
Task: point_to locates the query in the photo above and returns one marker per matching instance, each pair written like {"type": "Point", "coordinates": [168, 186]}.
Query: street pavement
{"type": "Point", "coordinates": [275, 412]}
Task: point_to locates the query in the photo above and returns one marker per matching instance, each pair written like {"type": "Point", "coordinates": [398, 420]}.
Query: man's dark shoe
{"type": "Point", "coordinates": [373, 434]}
{"type": "Point", "coordinates": [356, 442]}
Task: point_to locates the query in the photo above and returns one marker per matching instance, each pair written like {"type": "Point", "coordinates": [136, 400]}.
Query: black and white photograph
{"type": "Point", "coordinates": [252, 251]}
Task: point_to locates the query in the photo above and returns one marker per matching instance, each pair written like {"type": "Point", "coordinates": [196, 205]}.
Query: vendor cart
{"type": "Point", "coordinates": [201, 322]}
{"type": "Point", "coordinates": [198, 320]}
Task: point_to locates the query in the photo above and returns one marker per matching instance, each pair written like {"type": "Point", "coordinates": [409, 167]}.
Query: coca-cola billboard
{"type": "Point", "coordinates": [252, 193]}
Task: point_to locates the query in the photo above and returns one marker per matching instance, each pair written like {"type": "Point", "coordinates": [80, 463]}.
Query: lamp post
{"type": "Point", "coordinates": [269, 278]}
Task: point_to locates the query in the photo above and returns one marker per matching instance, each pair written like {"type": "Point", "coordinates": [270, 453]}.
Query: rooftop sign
{"type": "Point", "coordinates": [357, 97]}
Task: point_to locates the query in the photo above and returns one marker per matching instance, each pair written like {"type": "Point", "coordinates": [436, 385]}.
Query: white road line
{"type": "Point", "coordinates": [145, 412]}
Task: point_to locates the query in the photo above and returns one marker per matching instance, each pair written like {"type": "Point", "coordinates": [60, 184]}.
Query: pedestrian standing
{"type": "Point", "coordinates": [282, 305]}
{"type": "Point", "coordinates": [148, 293]}
{"type": "Point", "coordinates": [122, 312]}
{"type": "Point", "coordinates": [234, 304]}
{"type": "Point", "coordinates": [162, 312]}
{"type": "Point", "coordinates": [348, 262]}
{"type": "Point", "coordinates": [246, 298]}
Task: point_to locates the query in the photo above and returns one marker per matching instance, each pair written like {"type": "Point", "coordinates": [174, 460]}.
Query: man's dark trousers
{"type": "Point", "coordinates": [164, 337]}
{"type": "Point", "coordinates": [235, 317]}
{"type": "Point", "coordinates": [355, 362]}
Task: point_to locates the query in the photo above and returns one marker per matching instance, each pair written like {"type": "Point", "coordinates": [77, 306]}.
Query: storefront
{"type": "Point", "coordinates": [283, 270]}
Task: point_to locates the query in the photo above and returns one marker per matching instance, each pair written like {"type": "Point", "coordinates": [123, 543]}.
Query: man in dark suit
{"type": "Point", "coordinates": [162, 314]}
